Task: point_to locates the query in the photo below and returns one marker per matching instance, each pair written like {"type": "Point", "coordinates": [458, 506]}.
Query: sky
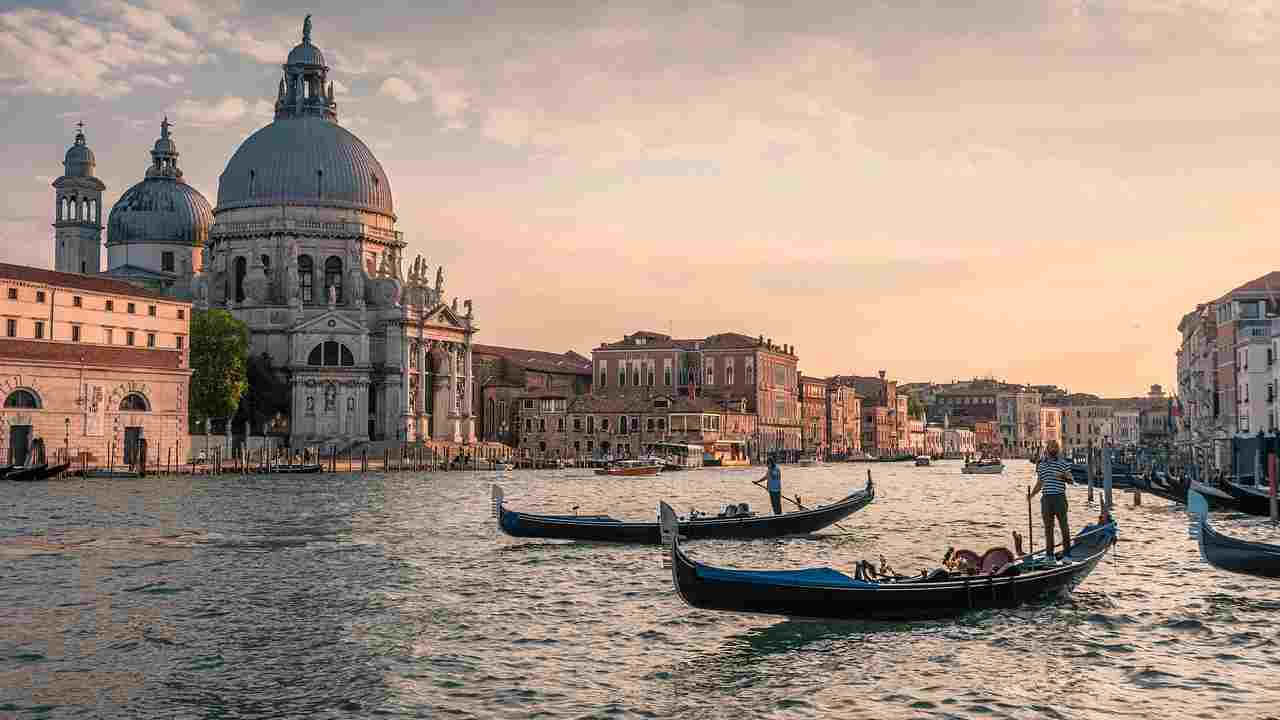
{"type": "Point", "coordinates": [1036, 190]}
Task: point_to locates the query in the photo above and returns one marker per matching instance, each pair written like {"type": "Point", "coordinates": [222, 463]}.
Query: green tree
{"type": "Point", "coordinates": [915, 408]}
{"type": "Point", "coordinates": [219, 364]}
{"type": "Point", "coordinates": [267, 396]}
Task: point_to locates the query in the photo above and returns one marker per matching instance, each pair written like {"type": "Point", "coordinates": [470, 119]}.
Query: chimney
{"type": "Point", "coordinates": [881, 374]}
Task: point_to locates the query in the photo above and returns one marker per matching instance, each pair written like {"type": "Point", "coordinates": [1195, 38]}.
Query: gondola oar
{"type": "Point", "coordinates": [1031, 536]}
{"type": "Point", "coordinates": [796, 502]}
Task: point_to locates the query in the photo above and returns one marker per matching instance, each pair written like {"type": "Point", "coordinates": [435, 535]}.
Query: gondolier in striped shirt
{"type": "Point", "coordinates": [1052, 475]}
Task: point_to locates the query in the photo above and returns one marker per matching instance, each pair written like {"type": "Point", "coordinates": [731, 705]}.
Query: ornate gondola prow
{"type": "Point", "coordinates": [667, 531]}
{"type": "Point", "coordinates": [497, 500]}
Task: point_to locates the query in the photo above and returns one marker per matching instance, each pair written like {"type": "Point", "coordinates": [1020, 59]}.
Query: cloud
{"type": "Point", "coordinates": [215, 113]}
{"type": "Point", "coordinates": [241, 41]}
{"type": "Point", "coordinates": [399, 90]}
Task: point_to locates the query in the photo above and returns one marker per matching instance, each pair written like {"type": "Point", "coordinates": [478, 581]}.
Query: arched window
{"type": "Point", "coordinates": [134, 402]}
{"type": "Point", "coordinates": [331, 354]}
{"type": "Point", "coordinates": [333, 277]}
{"type": "Point", "coordinates": [306, 278]}
{"type": "Point", "coordinates": [241, 268]}
{"type": "Point", "coordinates": [22, 399]}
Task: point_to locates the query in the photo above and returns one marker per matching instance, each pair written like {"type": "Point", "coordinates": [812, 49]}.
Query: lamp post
{"type": "Point", "coordinates": [66, 440]}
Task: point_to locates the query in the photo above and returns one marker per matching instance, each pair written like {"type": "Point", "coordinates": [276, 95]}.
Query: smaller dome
{"type": "Point", "coordinates": [160, 210]}
{"type": "Point", "coordinates": [79, 161]}
{"type": "Point", "coordinates": [306, 54]}
{"type": "Point", "coordinates": [165, 146]}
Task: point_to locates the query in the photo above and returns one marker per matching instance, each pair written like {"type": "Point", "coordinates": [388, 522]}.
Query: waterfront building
{"type": "Point", "coordinates": [986, 436]}
{"type": "Point", "coordinates": [962, 441]}
{"type": "Point", "coordinates": [1220, 361]}
{"type": "Point", "coordinates": [1051, 424]}
{"type": "Point", "coordinates": [967, 402]}
{"type": "Point", "coordinates": [92, 366]}
{"type": "Point", "coordinates": [884, 412]}
{"type": "Point", "coordinates": [844, 420]}
{"type": "Point", "coordinates": [1126, 422]}
{"type": "Point", "coordinates": [916, 435]}
{"type": "Point", "coordinates": [508, 379]}
{"type": "Point", "coordinates": [935, 440]}
{"type": "Point", "coordinates": [631, 424]}
{"type": "Point", "coordinates": [1086, 422]}
{"type": "Point", "coordinates": [726, 367]}
{"type": "Point", "coordinates": [1018, 414]}
{"type": "Point", "coordinates": [813, 408]}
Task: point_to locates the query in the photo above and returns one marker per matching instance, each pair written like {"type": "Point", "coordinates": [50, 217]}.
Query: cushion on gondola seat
{"type": "Point", "coordinates": [810, 577]}
{"type": "Point", "coordinates": [995, 559]}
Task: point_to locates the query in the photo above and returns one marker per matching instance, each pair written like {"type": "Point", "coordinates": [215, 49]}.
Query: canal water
{"type": "Point", "coordinates": [395, 596]}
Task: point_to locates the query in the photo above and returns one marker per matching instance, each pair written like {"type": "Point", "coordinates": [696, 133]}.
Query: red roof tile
{"type": "Point", "coordinates": [568, 363]}
{"type": "Point", "coordinates": [76, 281]}
{"type": "Point", "coordinates": [95, 355]}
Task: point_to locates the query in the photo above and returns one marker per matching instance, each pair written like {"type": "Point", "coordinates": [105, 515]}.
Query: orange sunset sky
{"type": "Point", "coordinates": [1032, 190]}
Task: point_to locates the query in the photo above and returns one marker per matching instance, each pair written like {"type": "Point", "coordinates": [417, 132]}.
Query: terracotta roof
{"type": "Point", "coordinates": [35, 351]}
{"type": "Point", "coordinates": [652, 341]}
{"type": "Point", "coordinates": [538, 360]}
{"type": "Point", "coordinates": [76, 281]}
{"type": "Point", "coordinates": [1269, 283]}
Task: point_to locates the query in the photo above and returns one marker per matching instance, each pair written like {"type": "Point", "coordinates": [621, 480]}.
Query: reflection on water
{"type": "Point", "coordinates": [350, 596]}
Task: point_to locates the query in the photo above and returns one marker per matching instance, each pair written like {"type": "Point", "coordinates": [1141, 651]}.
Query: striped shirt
{"type": "Point", "coordinates": [1047, 470]}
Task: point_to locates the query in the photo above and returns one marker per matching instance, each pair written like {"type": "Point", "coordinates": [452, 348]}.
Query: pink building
{"type": "Point", "coordinates": [92, 366]}
{"type": "Point", "coordinates": [726, 367]}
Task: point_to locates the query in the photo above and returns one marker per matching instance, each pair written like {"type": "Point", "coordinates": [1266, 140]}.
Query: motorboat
{"type": "Point", "coordinates": [923, 461]}
{"type": "Point", "coordinates": [630, 468]}
{"type": "Point", "coordinates": [984, 466]}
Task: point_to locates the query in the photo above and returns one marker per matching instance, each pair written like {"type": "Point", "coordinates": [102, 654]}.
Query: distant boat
{"type": "Point", "coordinates": [630, 468]}
{"type": "Point", "coordinates": [922, 461]}
{"type": "Point", "coordinates": [986, 466]}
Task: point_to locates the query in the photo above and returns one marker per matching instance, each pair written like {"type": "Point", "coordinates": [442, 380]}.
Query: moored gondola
{"type": "Point", "coordinates": [830, 594]}
{"type": "Point", "coordinates": [1228, 553]}
{"type": "Point", "coordinates": [603, 528]}
{"type": "Point", "coordinates": [43, 471]}
{"type": "Point", "coordinates": [1250, 498]}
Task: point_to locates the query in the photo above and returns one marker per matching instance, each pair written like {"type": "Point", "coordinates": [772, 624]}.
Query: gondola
{"type": "Point", "coordinates": [1232, 554]}
{"type": "Point", "coordinates": [603, 528]}
{"type": "Point", "coordinates": [1250, 498]}
{"type": "Point", "coordinates": [829, 594]}
{"type": "Point", "coordinates": [43, 471]}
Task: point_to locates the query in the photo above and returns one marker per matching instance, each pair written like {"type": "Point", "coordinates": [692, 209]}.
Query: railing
{"type": "Point", "coordinates": [343, 229]}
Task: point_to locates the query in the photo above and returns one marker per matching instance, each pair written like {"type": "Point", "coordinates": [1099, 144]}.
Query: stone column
{"type": "Point", "coordinates": [454, 410]}
{"type": "Point", "coordinates": [469, 411]}
{"type": "Point", "coordinates": [420, 410]}
{"type": "Point", "coordinates": [404, 410]}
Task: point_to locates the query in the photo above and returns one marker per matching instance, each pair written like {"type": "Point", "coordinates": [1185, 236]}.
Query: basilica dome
{"type": "Point", "coordinates": [304, 160]}
{"type": "Point", "coordinates": [162, 208]}
{"type": "Point", "coordinates": [304, 157]}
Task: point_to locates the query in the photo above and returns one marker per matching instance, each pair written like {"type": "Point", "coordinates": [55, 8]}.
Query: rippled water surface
{"type": "Point", "coordinates": [350, 596]}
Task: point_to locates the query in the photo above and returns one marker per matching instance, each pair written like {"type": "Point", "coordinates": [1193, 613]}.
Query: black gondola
{"type": "Point", "coordinates": [1250, 498]}
{"type": "Point", "coordinates": [603, 528]}
{"type": "Point", "coordinates": [33, 473]}
{"type": "Point", "coordinates": [1232, 554]}
{"type": "Point", "coordinates": [291, 469]}
{"type": "Point", "coordinates": [830, 594]}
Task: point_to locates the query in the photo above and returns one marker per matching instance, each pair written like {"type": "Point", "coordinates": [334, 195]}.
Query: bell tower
{"type": "Point", "coordinates": [77, 214]}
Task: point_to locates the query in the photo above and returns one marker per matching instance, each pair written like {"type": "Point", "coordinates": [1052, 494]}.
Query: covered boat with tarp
{"type": "Point", "coordinates": [1228, 553]}
{"type": "Point", "coordinates": [739, 522]}
{"type": "Point", "coordinates": [828, 593]}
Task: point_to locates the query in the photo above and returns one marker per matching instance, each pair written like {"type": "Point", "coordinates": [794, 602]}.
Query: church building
{"type": "Point", "coordinates": [302, 247]}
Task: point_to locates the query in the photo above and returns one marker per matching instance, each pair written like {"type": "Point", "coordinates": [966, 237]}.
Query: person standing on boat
{"type": "Point", "coordinates": [773, 480]}
{"type": "Point", "coordinates": [1052, 475]}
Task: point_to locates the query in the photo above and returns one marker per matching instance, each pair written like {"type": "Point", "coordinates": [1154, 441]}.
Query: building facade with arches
{"type": "Point", "coordinates": [92, 366]}
{"type": "Point", "coordinates": [304, 249]}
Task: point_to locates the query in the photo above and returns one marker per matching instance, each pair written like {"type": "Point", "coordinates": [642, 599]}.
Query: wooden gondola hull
{"type": "Point", "coordinates": [1251, 500]}
{"type": "Point", "coordinates": [604, 529]}
{"type": "Point", "coordinates": [28, 474]}
{"type": "Point", "coordinates": [827, 594]}
{"type": "Point", "coordinates": [1238, 556]}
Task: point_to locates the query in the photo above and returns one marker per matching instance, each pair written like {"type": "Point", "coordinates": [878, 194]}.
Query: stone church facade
{"type": "Point", "coordinates": [302, 247]}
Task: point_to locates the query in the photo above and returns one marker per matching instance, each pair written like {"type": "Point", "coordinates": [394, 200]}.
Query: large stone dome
{"type": "Point", "coordinates": [162, 208]}
{"type": "Point", "coordinates": [304, 160]}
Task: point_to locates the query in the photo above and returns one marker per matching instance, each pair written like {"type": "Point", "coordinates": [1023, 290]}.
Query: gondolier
{"type": "Point", "coordinates": [773, 479]}
{"type": "Point", "coordinates": [1052, 475]}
